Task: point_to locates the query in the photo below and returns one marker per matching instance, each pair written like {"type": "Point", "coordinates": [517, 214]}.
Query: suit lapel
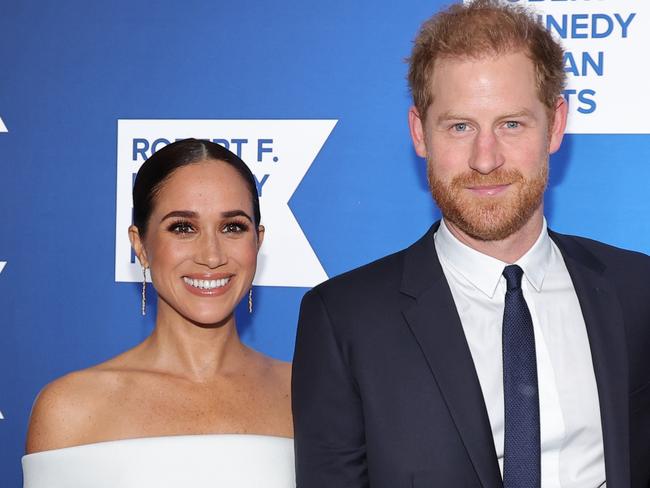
{"type": "Point", "coordinates": [603, 318]}
{"type": "Point", "coordinates": [435, 323]}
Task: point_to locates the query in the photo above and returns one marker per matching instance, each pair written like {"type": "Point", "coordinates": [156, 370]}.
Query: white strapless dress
{"type": "Point", "coordinates": [192, 461]}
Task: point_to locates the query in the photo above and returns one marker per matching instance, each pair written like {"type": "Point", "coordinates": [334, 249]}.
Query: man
{"type": "Point", "coordinates": [493, 351]}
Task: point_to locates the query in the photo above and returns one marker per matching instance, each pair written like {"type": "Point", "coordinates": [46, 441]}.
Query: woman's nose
{"type": "Point", "coordinates": [211, 252]}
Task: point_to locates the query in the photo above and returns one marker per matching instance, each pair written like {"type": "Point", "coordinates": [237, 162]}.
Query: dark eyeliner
{"type": "Point", "coordinates": [173, 227]}
{"type": "Point", "coordinates": [243, 226]}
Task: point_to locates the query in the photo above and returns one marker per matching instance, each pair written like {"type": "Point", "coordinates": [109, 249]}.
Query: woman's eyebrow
{"type": "Point", "coordinates": [235, 213]}
{"type": "Point", "coordinates": [187, 214]}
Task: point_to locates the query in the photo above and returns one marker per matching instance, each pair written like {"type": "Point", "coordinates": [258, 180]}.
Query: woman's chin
{"type": "Point", "coordinates": [210, 319]}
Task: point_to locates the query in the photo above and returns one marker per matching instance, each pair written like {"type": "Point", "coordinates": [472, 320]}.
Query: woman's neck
{"type": "Point", "coordinates": [199, 353]}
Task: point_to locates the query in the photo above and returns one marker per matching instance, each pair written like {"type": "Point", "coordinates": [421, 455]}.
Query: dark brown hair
{"type": "Point", "coordinates": [162, 164]}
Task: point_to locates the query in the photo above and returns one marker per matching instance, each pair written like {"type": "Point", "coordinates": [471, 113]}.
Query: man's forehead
{"type": "Point", "coordinates": [502, 85]}
{"type": "Point", "coordinates": [480, 56]}
{"type": "Point", "coordinates": [473, 73]}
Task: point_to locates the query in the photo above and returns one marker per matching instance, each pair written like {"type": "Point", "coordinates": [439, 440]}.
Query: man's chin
{"type": "Point", "coordinates": [488, 233]}
{"type": "Point", "coordinates": [493, 223]}
{"type": "Point", "coordinates": [489, 218]}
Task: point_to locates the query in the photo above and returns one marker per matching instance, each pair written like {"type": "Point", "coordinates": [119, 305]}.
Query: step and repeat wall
{"type": "Point", "coordinates": [313, 97]}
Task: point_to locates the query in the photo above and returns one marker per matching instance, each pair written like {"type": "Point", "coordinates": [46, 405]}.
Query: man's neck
{"type": "Point", "coordinates": [509, 249]}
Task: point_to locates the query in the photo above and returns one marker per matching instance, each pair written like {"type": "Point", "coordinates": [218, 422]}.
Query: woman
{"type": "Point", "coordinates": [197, 231]}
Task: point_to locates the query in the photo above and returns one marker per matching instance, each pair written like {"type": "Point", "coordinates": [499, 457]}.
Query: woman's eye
{"type": "Point", "coordinates": [182, 228]}
{"type": "Point", "coordinates": [234, 228]}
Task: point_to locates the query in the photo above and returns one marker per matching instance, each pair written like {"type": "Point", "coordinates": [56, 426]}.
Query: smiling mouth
{"type": "Point", "coordinates": [206, 284]}
{"type": "Point", "coordinates": [489, 190]}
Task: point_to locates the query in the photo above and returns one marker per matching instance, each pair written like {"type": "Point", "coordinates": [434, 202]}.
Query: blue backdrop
{"type": "Point", "coordinates": [70, 70]}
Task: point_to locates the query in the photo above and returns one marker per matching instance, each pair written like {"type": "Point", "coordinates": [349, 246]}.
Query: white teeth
{"type": "Point", "coordinates": [206, 284]}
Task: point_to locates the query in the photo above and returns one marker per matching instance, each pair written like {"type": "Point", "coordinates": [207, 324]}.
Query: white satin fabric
{"type": "Point", "coordinates": [197, 461]}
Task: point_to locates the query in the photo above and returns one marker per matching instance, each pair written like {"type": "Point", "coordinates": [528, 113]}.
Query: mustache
{"type": "Point", "coordinates": [497, 177]}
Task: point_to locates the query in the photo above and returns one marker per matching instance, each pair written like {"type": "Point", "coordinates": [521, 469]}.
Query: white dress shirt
{"type": "Point", "coordinates": [571, 435]}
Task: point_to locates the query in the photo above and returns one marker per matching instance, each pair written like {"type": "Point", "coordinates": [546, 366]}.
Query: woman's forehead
{"type": "Point", "coordinates": [204, 185]}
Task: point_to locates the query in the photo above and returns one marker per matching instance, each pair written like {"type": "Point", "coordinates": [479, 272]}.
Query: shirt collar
{"type": "Point", "coordinates": [483, 271]}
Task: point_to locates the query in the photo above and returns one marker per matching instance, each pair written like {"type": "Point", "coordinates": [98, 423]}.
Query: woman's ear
{"type": "Point", "coordinates": [260, 236]}
{"type": "Point", "coordinates": [138, 246]}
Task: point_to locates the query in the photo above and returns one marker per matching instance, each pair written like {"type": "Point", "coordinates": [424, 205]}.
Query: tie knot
{"type": "Point", "coordinates": [513, 274]}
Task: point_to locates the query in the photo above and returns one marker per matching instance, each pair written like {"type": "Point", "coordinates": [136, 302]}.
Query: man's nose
{"type": "Point", "coordinates": [486, 153]}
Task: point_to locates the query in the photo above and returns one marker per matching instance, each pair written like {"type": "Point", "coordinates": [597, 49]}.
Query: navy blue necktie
{"type": "Point", "coordinates": [521, 459]}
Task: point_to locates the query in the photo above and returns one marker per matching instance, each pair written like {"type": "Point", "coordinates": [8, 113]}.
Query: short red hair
{"type": "Point", "coordinates": [485, 28]}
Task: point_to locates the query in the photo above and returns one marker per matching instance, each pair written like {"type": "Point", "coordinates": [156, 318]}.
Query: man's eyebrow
{"type": "Point", "coordinates": [524, 112]}
{"type": "Point", "coordinates": [187, 214]}
{"type": "Point", "coordinates": [451, 116]}
{"type": "Point", "coordinates": [457, 116]}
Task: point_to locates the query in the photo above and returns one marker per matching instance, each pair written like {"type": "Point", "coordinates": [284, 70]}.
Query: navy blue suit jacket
{"type": "Point", "coordinates": [385, 394]}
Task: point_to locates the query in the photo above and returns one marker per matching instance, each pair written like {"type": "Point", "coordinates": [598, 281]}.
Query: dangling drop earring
{"type": "Point", "coordinates": [250, 300]}
{"type": "Point", "coordinates": [144, 291]}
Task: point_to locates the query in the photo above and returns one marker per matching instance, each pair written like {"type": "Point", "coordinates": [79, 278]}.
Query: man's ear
{"type": "Point", "coordinates": [138, 246]}
{"type": "Point", "coordinates": [416, 125]}
{"type": "Point", "coordinates": [556, 132]}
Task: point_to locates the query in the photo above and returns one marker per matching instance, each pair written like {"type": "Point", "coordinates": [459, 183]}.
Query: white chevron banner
{"type": "Point", "coordinates": [279, 153]}
{"type": "Point", "coordinates": [607, 75]}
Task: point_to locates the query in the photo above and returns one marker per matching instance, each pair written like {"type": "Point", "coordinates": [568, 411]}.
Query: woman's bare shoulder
{"type": "Point", "coordinates": [272, 369]}
{"type": "Point", "coordinates": [282, 369]}
{"type": "Point", "coordinates": [277, 379]}
{"type": "Point", "coordinates": [66, 410]}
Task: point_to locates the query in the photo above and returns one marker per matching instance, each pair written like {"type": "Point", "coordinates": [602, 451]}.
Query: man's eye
{"type": "Point", "coordinates": [512, 124]}
{"type": "Point", "coordinates": [460, 127]}
{"type": "Point", "coordinates": [181, 228]}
